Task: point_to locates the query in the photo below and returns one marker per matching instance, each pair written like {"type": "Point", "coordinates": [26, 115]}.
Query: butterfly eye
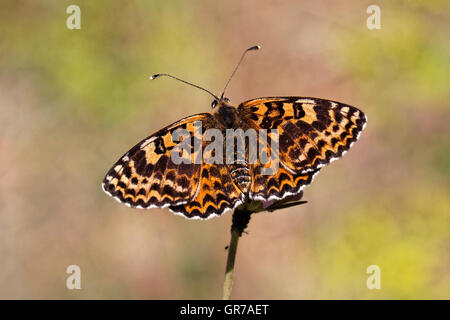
{"type": "Point", "coordinates": [214, 104]}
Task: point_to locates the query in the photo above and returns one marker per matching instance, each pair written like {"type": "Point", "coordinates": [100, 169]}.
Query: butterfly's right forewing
{"type": "Point", "coordinates": [147, 177]}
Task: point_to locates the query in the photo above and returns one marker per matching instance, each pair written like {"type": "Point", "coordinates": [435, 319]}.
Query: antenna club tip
{"type": "Point", "coordinates": [154, 76]}
{"type": "Point", "coordinates": [254, 48]}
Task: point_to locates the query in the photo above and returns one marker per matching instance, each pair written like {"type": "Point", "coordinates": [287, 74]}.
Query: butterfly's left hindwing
{"type": "Point", "coordinates": [281, 184]}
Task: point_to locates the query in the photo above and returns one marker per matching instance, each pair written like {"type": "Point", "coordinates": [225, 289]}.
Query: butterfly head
{"type": "Point", "coordinates": [220, 102]}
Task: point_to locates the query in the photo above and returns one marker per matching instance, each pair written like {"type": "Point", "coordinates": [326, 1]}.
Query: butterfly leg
{"type": "Point", "coordinates": [278, 206]}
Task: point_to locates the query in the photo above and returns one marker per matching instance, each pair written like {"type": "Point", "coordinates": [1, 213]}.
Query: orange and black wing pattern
{"type": "Point", "coordinates": [281, 184]}
{"type": "Point", "coordinates": [216, 194]}
{"type": "Point", "coordinates": [147, 177]}
{"type": "Point", "coordinates": [310, 133]}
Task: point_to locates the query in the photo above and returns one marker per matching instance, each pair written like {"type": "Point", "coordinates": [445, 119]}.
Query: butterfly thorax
{"type": "Point", "coordinates": [227, 116]}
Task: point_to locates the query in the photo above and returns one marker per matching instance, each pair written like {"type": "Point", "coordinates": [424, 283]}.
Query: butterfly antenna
{"type": "Point", "coordinates": [237, 66]}
{"type": "Point", "coordinates": [191, 84]}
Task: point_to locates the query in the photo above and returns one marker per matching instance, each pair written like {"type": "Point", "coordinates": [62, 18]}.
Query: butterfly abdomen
{"type": "Point", "coordinates": [240, 173]}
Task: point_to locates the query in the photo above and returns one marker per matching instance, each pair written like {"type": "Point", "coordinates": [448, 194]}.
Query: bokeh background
{"type": "Point", "coordinates": [73, 101]}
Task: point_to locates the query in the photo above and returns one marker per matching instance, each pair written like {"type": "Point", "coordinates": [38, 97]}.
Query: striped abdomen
{"type": "Point", "coordinates": [240, 173]}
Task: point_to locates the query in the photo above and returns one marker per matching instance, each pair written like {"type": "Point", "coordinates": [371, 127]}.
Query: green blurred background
{"type": "Point", "coordinates": [73, 101]}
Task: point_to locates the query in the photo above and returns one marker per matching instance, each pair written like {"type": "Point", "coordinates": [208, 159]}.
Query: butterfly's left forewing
{"type": "Point", "coordinates": [310, 133]}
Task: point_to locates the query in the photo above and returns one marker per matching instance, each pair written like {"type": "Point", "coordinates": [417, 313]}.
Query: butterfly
{"type": "Point", "coordinates": [310, 133]}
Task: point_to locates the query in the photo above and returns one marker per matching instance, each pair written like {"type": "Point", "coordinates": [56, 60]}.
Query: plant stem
{"type": "Point", "coordinates": [228, 284]}
{"type": "Point", "coordinates": [241, 218]}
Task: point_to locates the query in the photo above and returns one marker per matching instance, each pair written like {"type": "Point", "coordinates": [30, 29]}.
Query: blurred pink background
{"type": "Point", "coordinates": [73, 101]}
